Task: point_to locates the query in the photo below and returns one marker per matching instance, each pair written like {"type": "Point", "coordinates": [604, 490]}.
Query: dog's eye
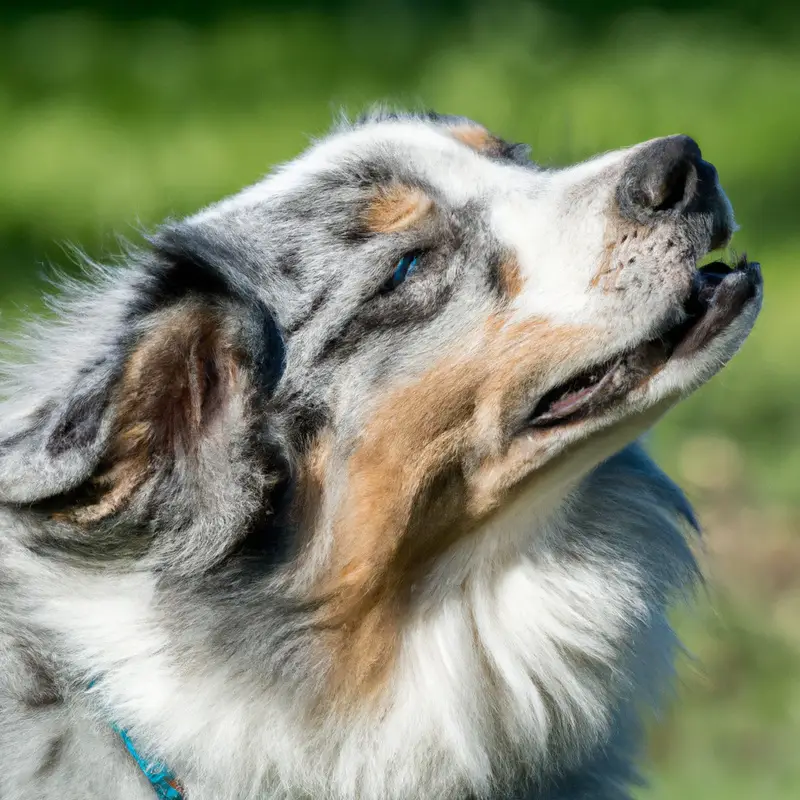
{"type": "Point", "coordinates": [405, 267]}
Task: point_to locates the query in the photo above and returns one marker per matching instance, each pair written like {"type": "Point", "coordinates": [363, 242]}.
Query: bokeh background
{"type": "Point", "coordinates": [114, 116]}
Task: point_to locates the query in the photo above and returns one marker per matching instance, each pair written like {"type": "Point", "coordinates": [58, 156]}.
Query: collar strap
{"type": "Point", "coordinates": [161, 779]}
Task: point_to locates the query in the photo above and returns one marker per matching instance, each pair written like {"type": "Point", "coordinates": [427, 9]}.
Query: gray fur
{"type": "Point", "coordinates": [187, 610]}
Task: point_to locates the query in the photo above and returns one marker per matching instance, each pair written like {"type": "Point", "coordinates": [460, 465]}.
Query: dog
{"type": "Point", "coordinates": [334, 490]}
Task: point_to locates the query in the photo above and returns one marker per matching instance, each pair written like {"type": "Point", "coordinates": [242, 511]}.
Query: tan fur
{"type": "Point", "coordinates": [510, 277]}
{"type": "Point", "coordinates": [477, 138]}
{"type": "Point", "coordinates": [430, 465]}
{"type": "Point", "coordinates": [396, 208]}
{"type": "Point", "coordinates": [172, 385]}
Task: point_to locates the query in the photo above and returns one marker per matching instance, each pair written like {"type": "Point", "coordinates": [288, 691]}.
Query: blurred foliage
{"type": "Point", "coordinates": [115, 116]}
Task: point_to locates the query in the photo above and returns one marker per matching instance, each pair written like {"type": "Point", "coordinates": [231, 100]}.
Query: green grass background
{"type": "Point", "coordinates": [111, 120]}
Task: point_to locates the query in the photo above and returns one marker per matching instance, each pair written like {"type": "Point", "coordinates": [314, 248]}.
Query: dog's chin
{"type": "Point", "coordinates": [715, 318]}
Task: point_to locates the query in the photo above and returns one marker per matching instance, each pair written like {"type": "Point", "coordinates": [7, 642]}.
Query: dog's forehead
{"type": "Point", "coordinates": [459, 161]}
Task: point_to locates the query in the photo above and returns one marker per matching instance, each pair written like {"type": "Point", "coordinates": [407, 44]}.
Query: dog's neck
{"type": "Point", "coordinates": [522, 667]}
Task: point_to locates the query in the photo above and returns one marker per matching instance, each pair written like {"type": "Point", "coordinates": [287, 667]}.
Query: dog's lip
{"type": "Point", "coordinates": [718, 295]}
{"type": "Point", "coordinates": [721, 292]}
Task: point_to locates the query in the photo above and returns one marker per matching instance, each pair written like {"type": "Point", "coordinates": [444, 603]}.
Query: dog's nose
{"type": "Point", "coordinates": [667, 174]}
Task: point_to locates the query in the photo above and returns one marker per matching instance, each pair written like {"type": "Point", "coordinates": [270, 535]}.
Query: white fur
{"type": "Point", "coordinates": [532, 643]}
{"type": "Point", "coordinates": [435, 735]}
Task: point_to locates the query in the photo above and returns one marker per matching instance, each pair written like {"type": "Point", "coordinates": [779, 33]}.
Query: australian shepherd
{"type": "Point", "coordinates": [331, 491]}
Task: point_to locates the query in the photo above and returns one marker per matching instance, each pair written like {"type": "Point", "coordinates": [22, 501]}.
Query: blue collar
{"type": "Point", "coordinates": [164, 783]}
{"type": "Point", "coordinates": [161, 779]}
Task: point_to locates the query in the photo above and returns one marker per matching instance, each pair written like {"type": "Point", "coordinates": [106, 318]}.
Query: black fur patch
{"type": "Point", "coordinates": [192, 262]}
{"type": "Point", "coordinates": [52, 757]}
{"type": "Point", "coordinates": [42, 691]}
{"type": "Point", "coordinates": [79, 424]}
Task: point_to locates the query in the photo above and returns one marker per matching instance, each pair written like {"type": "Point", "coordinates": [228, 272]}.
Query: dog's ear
{"type": "Point", "coordinates": [147, 408]}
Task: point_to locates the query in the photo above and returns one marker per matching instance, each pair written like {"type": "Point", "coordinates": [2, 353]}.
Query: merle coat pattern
{"type": "Point", "coordinates": [328, 491]}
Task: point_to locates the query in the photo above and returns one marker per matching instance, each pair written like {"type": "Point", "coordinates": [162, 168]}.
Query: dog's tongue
{"type": "Point", "coordinates": [568, 402]}
{"type": "Point", "coordinates": [569, 398]}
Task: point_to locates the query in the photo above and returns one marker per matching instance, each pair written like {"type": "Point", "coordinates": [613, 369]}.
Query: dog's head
{"type": "Point", "coordinates": [409, 337]}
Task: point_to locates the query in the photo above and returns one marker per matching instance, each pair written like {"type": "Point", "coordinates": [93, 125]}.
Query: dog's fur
{"type": "Point", "coordinates": [286, 523]}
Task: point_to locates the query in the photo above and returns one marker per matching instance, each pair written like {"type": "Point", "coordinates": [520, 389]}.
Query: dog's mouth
{"type": "Point", "coordinates": [718, 295]}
